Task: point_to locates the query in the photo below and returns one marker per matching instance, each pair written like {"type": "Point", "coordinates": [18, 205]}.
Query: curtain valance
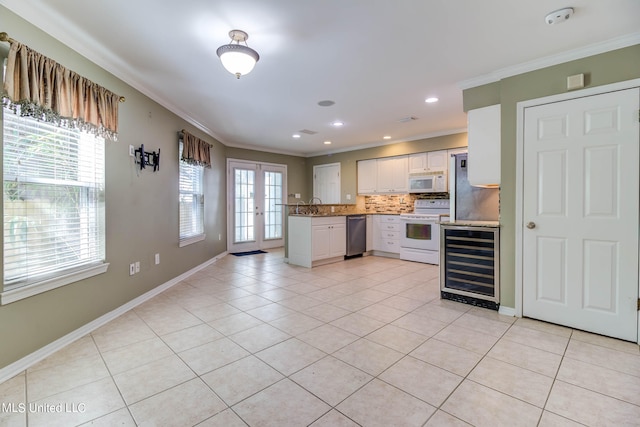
{"type": "Point", "coordinates": [194, 150]}
{"type": "Point", "coordinates": [39, 87]}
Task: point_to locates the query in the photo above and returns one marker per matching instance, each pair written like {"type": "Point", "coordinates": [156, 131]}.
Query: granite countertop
{"type": "Point", "coordinates": [469, 223]}
{"type": "Point", "coordinates": [345, 214]}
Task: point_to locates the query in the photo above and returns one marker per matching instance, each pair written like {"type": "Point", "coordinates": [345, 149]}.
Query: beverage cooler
{"type": "Point", "coordinates": [469, 266]}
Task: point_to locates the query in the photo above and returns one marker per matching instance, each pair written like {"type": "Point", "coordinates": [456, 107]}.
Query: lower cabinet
{"type": "Point", "coordinates": [386, 235]}
{"type": "Point", "coordinates": [316, 240]}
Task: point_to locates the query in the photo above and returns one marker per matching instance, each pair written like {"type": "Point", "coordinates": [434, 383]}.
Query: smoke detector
{"type": "Point", "coordinates": [558, 16]}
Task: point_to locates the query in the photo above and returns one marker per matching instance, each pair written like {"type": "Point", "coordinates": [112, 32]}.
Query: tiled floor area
{"type": "Point", "coordinates": [254, 341]}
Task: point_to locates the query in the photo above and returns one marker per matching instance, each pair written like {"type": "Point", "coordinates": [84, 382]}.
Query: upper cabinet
{"type": "Point", "coordinates": [484, 146]}
{"type": "Point", "coordinates": [393, 175]}
{"type": "Point", "coordinates": [385, 175]}
{"type": "Point", "coordinates": [431, 162]}
{"type": "Point", "coordinates": [367, 176]}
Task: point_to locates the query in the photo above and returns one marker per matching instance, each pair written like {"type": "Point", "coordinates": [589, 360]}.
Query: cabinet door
{"type": "Point", "coordinates": [418, 163]}
{"type": "Point", "coordinates": [338, 240]}
{"type": "Point", "coordinates": [367, 176]}
{"type": "Point", "coordinates": [484, 145]}
{"type": "Point", "coordinates": [438, 161]}
{"type": "Point", "coordinates": [393, 175]}
{"type": "Point", "coordinates": [321, 241]}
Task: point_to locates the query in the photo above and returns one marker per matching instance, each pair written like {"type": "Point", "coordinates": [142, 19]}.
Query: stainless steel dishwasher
{"type": "Point", "coordinates": [356, 235]}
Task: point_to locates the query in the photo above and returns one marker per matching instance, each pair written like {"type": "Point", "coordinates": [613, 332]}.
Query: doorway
{"type": "Point", "coordinates": [255, 202]}
{"type": "Point", "coordinates": [578, 215]}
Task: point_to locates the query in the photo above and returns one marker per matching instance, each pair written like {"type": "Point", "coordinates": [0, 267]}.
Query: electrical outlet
{"type": "Point", "coordinates": [137, 266]}
{"type": "Point", "coordinates": [132, 269]}
{"type": "Point", "coordinates": [219, 236]}
{"type": "Point", "coordinates": [157, 259]}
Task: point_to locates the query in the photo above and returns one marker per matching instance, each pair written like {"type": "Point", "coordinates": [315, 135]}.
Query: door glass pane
{"type": "Point", "coordinates": [272, 205]}
{"type": "Point", "coordinates": [244, 205]}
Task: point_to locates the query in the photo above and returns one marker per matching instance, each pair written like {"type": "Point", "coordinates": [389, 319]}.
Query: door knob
{"type": "Point", "coordinates": [531, 225]}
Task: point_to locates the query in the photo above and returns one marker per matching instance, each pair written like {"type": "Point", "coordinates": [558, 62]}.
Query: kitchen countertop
{"type": "Point", "coordinates": [344, 214]}
{"type": "Point", "coordinates": [468, 223]}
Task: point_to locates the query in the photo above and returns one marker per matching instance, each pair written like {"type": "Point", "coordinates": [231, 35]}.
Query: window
{"type": "Point", "coordinates": [191, 202]}
{"type": "Point", "coordinates": [53, 205]}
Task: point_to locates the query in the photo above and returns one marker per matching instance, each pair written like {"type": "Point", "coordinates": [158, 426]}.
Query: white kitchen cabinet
{"type": "Point", "coordinates": [437, 161]}
{"type": "Point", "coordinates": [393, 175]}
{"type": "Point", "coordinates": [316, 240]}
{"type": "Point", "coordinates": [484, 146]}
{"type": "Point", "coordinates": [329, 237]}
{"type": "Point", "coordinates": [418, 163]}
{"type": "Point", "coordinates": [369, 244]}
{"type": "Point", "coordinates": [367, 176]}
{"type": "Point", "coordinates": [429, 162]}
{"type": "Point", "coordinates": [386, 235]}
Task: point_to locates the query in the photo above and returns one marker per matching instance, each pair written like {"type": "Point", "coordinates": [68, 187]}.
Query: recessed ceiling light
{"type": "Point", "coordinates": [326, 103]}
{"type": "Point", "coordinates": [338, 123]}
{"type": "Point", "coordinates": [431, 100]}
{"type": "Point", "coordinates": [327, 143]}
{"type": "Point", "coordinates": [296, 135]}
{"type": "Point", "coordinates": [386, 137]}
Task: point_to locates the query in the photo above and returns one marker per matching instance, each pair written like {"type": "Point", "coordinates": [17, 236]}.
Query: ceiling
{"type": "Point", "coordinates": [378, 60]}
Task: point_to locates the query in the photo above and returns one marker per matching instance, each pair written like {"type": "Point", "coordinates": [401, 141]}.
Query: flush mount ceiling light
{"type": "Point", "coordinates": [337, 123]}
{"type": "Point", "coordinates": [236, 58]}
{"type": "Point", "coordinates": [431, 100]}
{"type": "Point", "coordinates": [558, 16]}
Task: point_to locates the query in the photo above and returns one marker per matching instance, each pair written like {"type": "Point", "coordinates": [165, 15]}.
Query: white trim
{"type": "Point", "coordinates": [190, 240]}
{"type": "Point", "coordinates": [19, 366]}
{"type": "Point", "coordinates": [519, 220]}
{"type": "Point", "coordinates": [548, 61]}
{"type": "Point", "coordinates": [13, 295]}
{"type": "Point", "coordinates": [507, 311]}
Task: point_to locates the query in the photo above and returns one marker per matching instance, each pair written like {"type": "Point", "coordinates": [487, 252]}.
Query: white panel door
{"type": "Point", "coordinates": [580, 212]}
{"type": "Point", "coordinates": [326, 183]}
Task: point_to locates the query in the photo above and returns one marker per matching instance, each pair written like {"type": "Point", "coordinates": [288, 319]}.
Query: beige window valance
{"type": "Point", "coordinates": [195, 151]}
{"type": "Point", "coordinates": [39, 87]}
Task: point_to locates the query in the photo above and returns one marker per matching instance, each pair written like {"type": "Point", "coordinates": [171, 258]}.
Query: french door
{"type": "Point", "coordinates": [580, 213]}
{"type": "Point", "coordinates": [255, 196]}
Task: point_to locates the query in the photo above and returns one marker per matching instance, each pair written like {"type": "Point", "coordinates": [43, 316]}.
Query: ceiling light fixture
{"type": "Point", "coordinates": [327, 143]}
{"type": "Point", "coordinates": [338, 123]}
{"type": "Point", "coordinates": [236, 58]}
{"type": "Point", "coordinates": [386, 137]}
{"type": "Point", "coordinates": [296, 135]}
{"type": "Point", "coordinates": [431, 100]}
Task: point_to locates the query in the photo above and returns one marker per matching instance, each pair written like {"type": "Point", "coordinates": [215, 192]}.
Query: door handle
{"type": "Point", "coordinates": [531, 225]}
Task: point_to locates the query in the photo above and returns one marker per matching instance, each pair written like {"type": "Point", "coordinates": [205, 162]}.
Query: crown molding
{"type": "Point", "coordinates": [547, 61]}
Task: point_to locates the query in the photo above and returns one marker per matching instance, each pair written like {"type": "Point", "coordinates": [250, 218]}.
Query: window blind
{"type": "Point", "coordinates": [191, 199]}
{"type": "Point", "coordinates": [53, 200]}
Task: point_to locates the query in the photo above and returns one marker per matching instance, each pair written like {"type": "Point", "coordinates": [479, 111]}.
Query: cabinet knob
{"type": "Point", "coordinates": [531, 225]}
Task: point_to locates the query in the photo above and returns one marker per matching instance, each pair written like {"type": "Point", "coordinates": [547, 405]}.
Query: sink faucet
{"type": "Point", "coordinates": [298, 207]}
{"type": "Point", "coordinates": [313, 208]}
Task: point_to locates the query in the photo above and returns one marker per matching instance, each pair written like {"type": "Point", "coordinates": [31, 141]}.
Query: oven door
{"type": "Point", "coordinates": [420, 234]}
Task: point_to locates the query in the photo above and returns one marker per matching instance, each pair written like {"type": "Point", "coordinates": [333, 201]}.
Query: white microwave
{"type": "Point", "coordinates": [428, 183]}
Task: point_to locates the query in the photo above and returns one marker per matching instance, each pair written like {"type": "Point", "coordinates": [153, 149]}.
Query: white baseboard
{"type": "Point", "coordinates": [507, 311]}
{"type": "Point", "coordinates": [21, 365]}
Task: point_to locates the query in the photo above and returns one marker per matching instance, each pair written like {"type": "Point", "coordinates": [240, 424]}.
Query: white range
{"type": "Point", "coordinates": [420, 231]}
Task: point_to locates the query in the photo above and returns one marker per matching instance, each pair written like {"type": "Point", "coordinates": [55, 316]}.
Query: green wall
{"type": "Point", "coordinates": [348, 160]}
{"type": "Point", "coordinates": [141, 212]}
{"type": "Point", "coordinates": [296, 167]}
{"type": "Point", "coordinates": [614, 66]}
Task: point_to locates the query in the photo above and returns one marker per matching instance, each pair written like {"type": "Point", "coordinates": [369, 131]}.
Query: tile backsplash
{"type": "Point", "coordinates": [396, 203]}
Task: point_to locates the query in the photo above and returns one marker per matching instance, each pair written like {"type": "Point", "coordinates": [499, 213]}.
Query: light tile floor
{"type": "Point", "coordinates": [254, 341]}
